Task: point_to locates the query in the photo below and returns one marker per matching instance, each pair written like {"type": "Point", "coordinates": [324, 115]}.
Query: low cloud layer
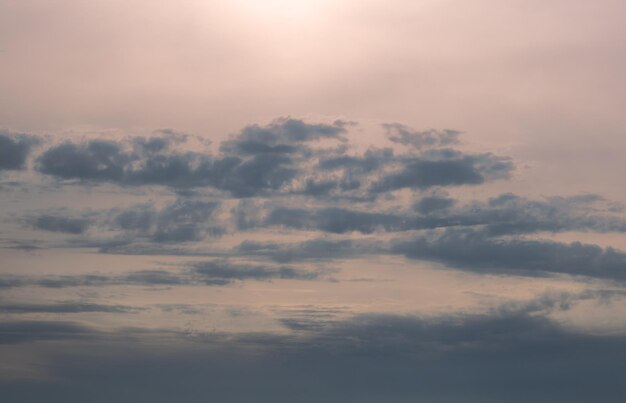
{"type": "Point", "coordinates": [269, 260]}
{"type": "Point", "coordinates": [512, 355]}
{"type": "Point", "coordinates": [208, 272]}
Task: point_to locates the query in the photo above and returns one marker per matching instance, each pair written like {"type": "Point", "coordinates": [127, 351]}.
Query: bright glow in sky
{"type": "Point", "coordinates": [297, 9]}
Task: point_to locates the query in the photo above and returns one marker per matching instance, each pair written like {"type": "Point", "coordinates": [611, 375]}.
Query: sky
{"type": "Point", "coordinates": [312, 201]}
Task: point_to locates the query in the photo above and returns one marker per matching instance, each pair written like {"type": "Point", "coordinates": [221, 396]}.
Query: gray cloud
{"type": "Point", "coordinates": [153, 278]}
{"type": "Point", "coordinates": [96, 160]}
{"type": "Point", "coordinates": [500, 355]}
{"type": "Point", "coordinates": [554, 301]}
{"type": "Point", "coordinates": [399, 133]}
{"type": "Point", "coordinates": [314, 249]}
{"type": "Point", "coordinates": [189, 219]}
{"type": "Point", "coordinates": [371, 160]}
{"type": "Point", "coordinates": [139, 277]}
{"type": "Point", "coordinates": [476, 252]}
{"type": "Point", "coordinates": [246, 214]}
{"type": "Point", "coordinates": [508, 214]}
{"type": "Point", "coordinates": [255, 161]}
{"type": "Point", "coordinates": [429, 204]}
{"type": "Point", "coordinates": [210, 272]}
{"type": "Point", "coordinates": [223, 272]}
{"type": "Point", "coordinates": [181, 221]}
{"type": "Point", "coordinates": [283, 136]}
{"type": "Point", "coordinates": [444, 168]}
{"type": "Point", "coordinates": [502, 215]}
{"type": "Point", "coordinates": [276, 159]}
{"type": "Point", "coordinates": [29, 331]}
{"type": "Point", "coordinates": [336, 220]}
{"type": "Point", "coordinates": [58, 223]}
{"type": "Point", "coordinates": [14, 150]}
{"type": "Point", "coordinates": [65, 307]}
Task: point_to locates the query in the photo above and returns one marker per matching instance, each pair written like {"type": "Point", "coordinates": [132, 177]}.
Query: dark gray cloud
{"type": "Point", "coordinates": [220, 272]}
{"type": "Point", "coordinates": [24, 246]}
{"type": "Point", "coordinates": [381, 170]}
{"type": "Point", "coordinates": [310, 318]}
{"type": "Point", "coordinates": [65, 307]}
{"type": "Point", "coordinates": [371, 160]}
{"type": "Point", "coordinates": [399, 133]}
{"type": "Point", "coordinates": [558, 301]}
{"type": "Point", "coordinates": [59, 223]}
{"type": "Point", "coordinates": [319, 188]}
{"type": "Point", "coordinates": [153, 278]}
{"type": "Point", "coordinates": [29, 331]}
{"type": "Point", "coordinates": [181, 221]}
{"type": "Point", "coordinates": [445, 167]}
{"type": "Point", "coordinates": [286, 161]}
{"type": "Point", "coordinates": [190, 219]}
{"type": "Point", "coordinates": [261, 172]}
{"type": "Point", "coordinates": [283, 136]}
{"type": "Point", "coordinates": [315, 249]}
{"type": "Point", "coordinates": [139, 277]}
{"type": "Point", "coordinates": [246, 214]}
{"type": "Point", "coordinates": [429, 204]}
{"type": "Point", "coordinates": [14, 150]}
{"type": "Point", "coordinates": [476, 252]}
{"type": "Point", "coordinates": [512, 214]}
{"type": "Point", "coordinates": [508, 214]}
{"type": "Point", "coordinates": [502, 215]}
{"type": "Point", "coordinates": [209, 272]}
{"type": "Point", "coordinates": [498, 356]}
{"type": "Point", "coordinates": [96, 160]}
{"type": "Point", "coordinates": [258, 159]}
{"type": "Point", "coordinates": [11, 281]}
{"type": "Point", "coordinates": [337, 220]}
{"type": "Point", "coordinates": [278, 158]}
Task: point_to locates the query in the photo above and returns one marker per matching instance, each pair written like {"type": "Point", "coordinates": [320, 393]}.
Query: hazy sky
{"type": "Point", "coordinates": [312, 201]}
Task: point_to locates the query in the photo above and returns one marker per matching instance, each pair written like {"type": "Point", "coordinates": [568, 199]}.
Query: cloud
{"type": "Point", "coordinates": [285, 157]}
{"type": "Point", "coordinates": [336, 220]}
{"type": "Point", "coordinates": [371, 160]}
{"type": "Point", "coordinates": [474, 251]}
{"type": "Point", "coordinates": [14, 150]}
{"type": "Point", "coordinates": [29, 331]}
{"type": "Point", "coordinates": [181, 221]}
{"type": "Point", "coordinates": [444, 168]}
{"type": "Point", "coordinates": [399, 133]}
{"type": "Point", "coordinates": [283, 136]}
{"type": "Point", "coordinates": [209, 272]}
{"type": "Point", "coordinates": [65, 307]}
{"type": "Point", "coordinates": [499, 355]}
{"type": "Point", "coordinates": [139, 277]}
{"type": "Point", "coordinates": [257, 160]}
{"type": "Point", "coordinates": [506, 214]}
{"type": "Point", "coordinates": [96, 160]}
{"type": "Point", "coordinates": [58, 223]}
{"type": "Point", "coordinates": [509, 214]}
{"type": "Point", "coordinates": [435, 203]}
{"type": "Point", "coordinates": [551, 301]}
{"type": "Point", "coordinates": [193, 219]}
{"type": "Point", "coordinates": [315, 249]}
{"type": "Point", "coordinates": [223, 272]}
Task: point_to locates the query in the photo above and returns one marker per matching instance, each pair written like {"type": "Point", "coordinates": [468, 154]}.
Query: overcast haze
{"type": "Point", "coordinates": [312, 201]}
